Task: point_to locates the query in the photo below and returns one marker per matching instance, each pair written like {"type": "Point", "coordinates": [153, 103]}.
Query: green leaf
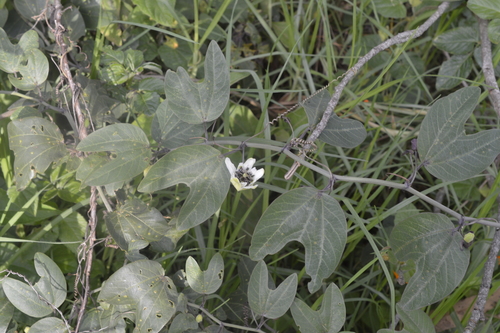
{"type": "Point", "coordinates": [201, 102]}
{"type": "Point", "coordinates": [116, 74]}
{"type": "Point", "coordinates": [391, 8]}
{"type": "Point", "coordinates": [183, 322]}
{"type": "Point", "coordinates": [11, 55]}
{"type": "Point", "coordinates": [329, 319]}
{"type": "Point", "coordinates": [51, 324]}
{"type": "Point", "coordinates": [242, 120]}
{"type": "Point", "coordinates": [6, 307]}
{"type": "Point", "coordinates": [145, 102]}
{"type": "Point", "coordinates": [30, 8]}
{"type": "Point", "coordinates": [266, 302]}
{"type": "Point", "coordinates": [347, 133]}
{"type": "Point", "coordinates": [205, 282]}
{"type": "Point", "coordinates": [177, 55]}
{"type": "Point", "coordinates": [203, 169]}
{"type": "Point", "coordinates": [494, 31]}
{"type": "Point", "coordinates": [430, 242]}
{"type": "Point", "coordinates": [72, 20]}
{"type": "Point", "coordinates": [36, 143]}
{"type": "Point", "coordinates": [485, 9]}
{"type": "Point", "coordinates": [170, 131]}
{"type": "Point", "coordinates": [458, 67]}
{"type": "Point", "coordinates": [135, 221]}
{"type": "Point", "coordinates": [34, 73]}
{"type": "Point", "coordinates": [98, 318]}
{"type": "Point", "coordinates": [310, 217]}
{"type": "Point", "coordinates": [131, 147]}
{"type": "Point", "coordinates": [151, 295]}
{"type": "Point", "coordinates": [416, 321]}
{"type": "Point", "coordinates": [444, 148]}
{"type": "Point", "coordinates": [158, 10]}
{"type": "Point", "coordinates": [38, 301]}
{"type": "Point", "coordinates": [461, 40]}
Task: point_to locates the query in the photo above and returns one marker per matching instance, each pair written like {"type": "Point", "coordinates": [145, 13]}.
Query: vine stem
{"type": "Point", "coordinates": [489, 267]}
{"type": "Point", "coordinates": [279, 148]}
{"type": "Point", "coordinates": [86, 249]}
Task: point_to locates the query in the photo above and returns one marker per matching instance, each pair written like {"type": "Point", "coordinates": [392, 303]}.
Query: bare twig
{"type": "Point", "coordinates": [489, 74]}
{"type": "Point", "coordinates": [349, 75]}
{"type": "Point", "coordinates": [398, 39]}
{"type": "Point", "coordinates": [489, 267]}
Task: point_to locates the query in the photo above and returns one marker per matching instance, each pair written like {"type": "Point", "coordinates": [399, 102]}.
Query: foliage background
{"type": "Point", "coordinates": [79, 78]}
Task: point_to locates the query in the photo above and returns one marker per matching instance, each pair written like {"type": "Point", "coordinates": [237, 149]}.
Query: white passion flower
{"type": "Point", "coordinates": [245, 176]}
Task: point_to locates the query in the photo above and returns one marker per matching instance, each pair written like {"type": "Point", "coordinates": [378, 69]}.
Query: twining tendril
{"type": "Point", "coordinates": [296, 106]}
{"type": "Point", "coordinates": [301, 144]}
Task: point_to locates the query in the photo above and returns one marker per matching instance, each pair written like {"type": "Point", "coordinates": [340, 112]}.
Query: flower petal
{"type": "Point", "coordinates": [258, 175]}
{"type": "Point", "coordinates": [236, 183]}
{"type": "Point", "coordinates": [249, 163]}
{"type": "Point", "coordinates": [230, 166]}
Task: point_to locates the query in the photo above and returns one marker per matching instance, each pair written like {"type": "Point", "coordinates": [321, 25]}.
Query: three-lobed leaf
{"type": "Point", "coordinates": [205, 282]}
{"type": "Point", "coordinates": [36, 143]}
{"type": "Point", "coordinates": [310, 217]}
{"type": "Point", "coordinates": [131, 147]}
{"type": "Point", "coordinates": [170, 131]}
{"type": "Point", "coordinates": [444, 148]}
{"type": "Point", "coordinates": [329, 319]}
{"type": "Point", "coordinates": [201, 102]}
{"type": "Point", "coordinates": [266, 302]}
{"type": "Point", "coordinates": [202, 168]}
{"type": "Point", "coordinates": [430, 242]}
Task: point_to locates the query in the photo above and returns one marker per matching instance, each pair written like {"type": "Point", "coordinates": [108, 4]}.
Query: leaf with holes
{"type": "Point", "coordinates": [34, 73]}
{"type": "Point", "coordinates": [205, 282]}
{"type": "Point", "coordinates": [170, 131]}
{"type": "Point", "coordinates": [152, 296]}
{"type": "Point", "coordinates": [135, 221]}
{"type": "Point", "coordinates": [203, 169]}
{"type": "Point", "coordinates": [444, 149]}
{"type": "Point", "coordinates": [196, 103]}
{"type": "Point", "coordinates": [266, 302]}
{"type": "Point", "coordinates": [347, 133]}
{"type": "Point", "coordinates": [36, 143]}
{"type": "Point", "coordinates": [48, 293]}
{"type": "Point", "coordinates": [428, 240]}
{"type": "Point", "coordinates": [128, 143]}
{"type": "Point", "coordinates": [329, 319]}
{"type": "Point", "coordinates": [310, 217]}
{"type": "Point", "coordinates": [11, 56]}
